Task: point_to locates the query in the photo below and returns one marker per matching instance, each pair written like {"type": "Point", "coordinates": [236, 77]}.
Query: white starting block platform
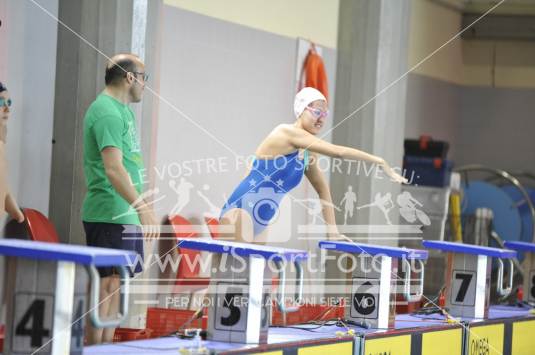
{"type": "Point", "coordinates": [468, 275]}
{"type": "Point", "coordinates": [241, 285]}
{"type": "Point", "coordinates": [46, 294]}
{"type": "Point", "coordinates": [374, 280]}
{"type": "Point", "coordinates": [529, 268]}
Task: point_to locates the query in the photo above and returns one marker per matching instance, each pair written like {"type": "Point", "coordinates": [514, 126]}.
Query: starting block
{"type": "Point", "coordinates": [46, 294]}
{"type": "Point", "coordinates": [468, 274]}
{"type": "Point", "coordinates": [373, 282]}
{"type": "Point", "coordinates": [240, 289]}
{"type": "Point", "coordinates": [529, 268]}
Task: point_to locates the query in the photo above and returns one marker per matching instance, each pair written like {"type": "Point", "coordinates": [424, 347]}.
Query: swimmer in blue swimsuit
{"type": "Point", "coordinates": [281, 160]}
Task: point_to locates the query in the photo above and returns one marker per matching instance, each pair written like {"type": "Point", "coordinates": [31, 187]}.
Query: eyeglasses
{"type": "Point", "coordinates": [144, 76]}
{"type": "Point", "coordinates": [317, 113]}
{"type": "Point", "coordinates": [4, 102]}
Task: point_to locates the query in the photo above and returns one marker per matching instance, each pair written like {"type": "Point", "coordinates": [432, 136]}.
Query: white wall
{"type": "Point", "coordinates": [28, 67]}
{"type": "Point", "coordinates": [315, 20]}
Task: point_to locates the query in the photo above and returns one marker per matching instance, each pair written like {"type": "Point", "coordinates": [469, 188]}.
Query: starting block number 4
{"type": "Point", "coordinates": [463, 288]}
{"type": "Point", "coordinates": [33, 312]}
{"type": "Point", "coordinates": [33, 319]}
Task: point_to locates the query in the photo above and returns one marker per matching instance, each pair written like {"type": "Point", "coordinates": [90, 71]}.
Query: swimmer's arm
{"type": "Point", "coordinates": [112, 158]}
{"type": "Point", "coordinates": [318, 182]}
{"type": "Point", "coordinates": [3, 132]}
{"type": "Point", "coordinates": [301, 139]}
{"type": "Point", "coordinates": [10, 205]}
{"type": "Point", "coordinates": [12, 208]}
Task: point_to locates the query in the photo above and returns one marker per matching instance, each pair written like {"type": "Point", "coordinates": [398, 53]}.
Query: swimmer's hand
{"type": "Point", "coordinates": [393, 175]}
{"type": "Point", "coordinates": [334, 235]}
{"type": "Point", "coordinates": [13, 209]}
{"type": "Point", "coordinates": [17, 215]}
{"type": "Point", "coordinates": [337, 237]}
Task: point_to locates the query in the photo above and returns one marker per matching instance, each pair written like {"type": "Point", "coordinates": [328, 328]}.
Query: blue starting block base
{"type": "Point", "coordinates": [46, 291]}
{"type": "Point", "coordinates": [528, 249]}
{"type": "Point", "coordinates": [241, 286]}
{"type": "Point", "coordinates": [509, 330]}
{"type": "Point", "coordinates": [374, 277]}
{"type": "Point", "coordinates": [468, 274]}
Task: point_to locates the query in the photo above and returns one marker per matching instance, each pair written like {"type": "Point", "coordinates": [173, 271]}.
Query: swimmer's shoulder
{"type": "Point", "coordinates": [288, 130]}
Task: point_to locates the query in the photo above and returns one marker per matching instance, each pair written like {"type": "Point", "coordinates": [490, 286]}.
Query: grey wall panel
{"type": "Point", "coordinates": [433, 107]}
{"type": "Point", "coordinates": [497, 127]}
{"type": "Point", "coordinates": [490, 126]}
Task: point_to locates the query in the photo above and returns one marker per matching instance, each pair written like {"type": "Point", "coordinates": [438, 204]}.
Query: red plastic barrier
{"type": "Point", "coordinates": [307, 313]}
{"type": "Point", "coordinates": [127, 334]}
{"type": "Point", "coordinates": [164, 321]}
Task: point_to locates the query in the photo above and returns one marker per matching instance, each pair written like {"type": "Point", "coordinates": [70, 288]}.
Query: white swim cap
{"type": "Point", "coordinates": [304, 98]}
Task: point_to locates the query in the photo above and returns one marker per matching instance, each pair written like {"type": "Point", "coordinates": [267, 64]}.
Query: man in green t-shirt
{"type": "Point", "coordinates": [114, 213]}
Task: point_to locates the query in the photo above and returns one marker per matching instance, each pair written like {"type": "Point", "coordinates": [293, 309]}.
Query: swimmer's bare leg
{"type": "Point", "coordinates": [241, 226]}
{"type": "Point", "coordinates": [262, 237]}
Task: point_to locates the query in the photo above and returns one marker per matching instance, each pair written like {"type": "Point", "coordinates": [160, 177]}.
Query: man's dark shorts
{"type": "Point", "coordinates": [116, 236]}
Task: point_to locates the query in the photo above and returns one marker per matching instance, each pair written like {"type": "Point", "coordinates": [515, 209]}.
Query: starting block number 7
{"type": "Point", "coordinates": [463, 288]}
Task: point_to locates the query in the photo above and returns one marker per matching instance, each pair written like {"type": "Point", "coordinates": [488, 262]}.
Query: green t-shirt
{"type": "Point", "coordinates": [109, 123]}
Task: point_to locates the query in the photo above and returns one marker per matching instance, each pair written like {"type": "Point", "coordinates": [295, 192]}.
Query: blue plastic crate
{"type": "Point", "coordinates": [427, 171]}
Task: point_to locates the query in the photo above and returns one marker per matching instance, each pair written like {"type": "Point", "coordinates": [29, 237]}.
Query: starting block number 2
{"type": "Point", "coordinates": [33, 322]}
{"type": "Point", "coordinates": [463, 290]}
